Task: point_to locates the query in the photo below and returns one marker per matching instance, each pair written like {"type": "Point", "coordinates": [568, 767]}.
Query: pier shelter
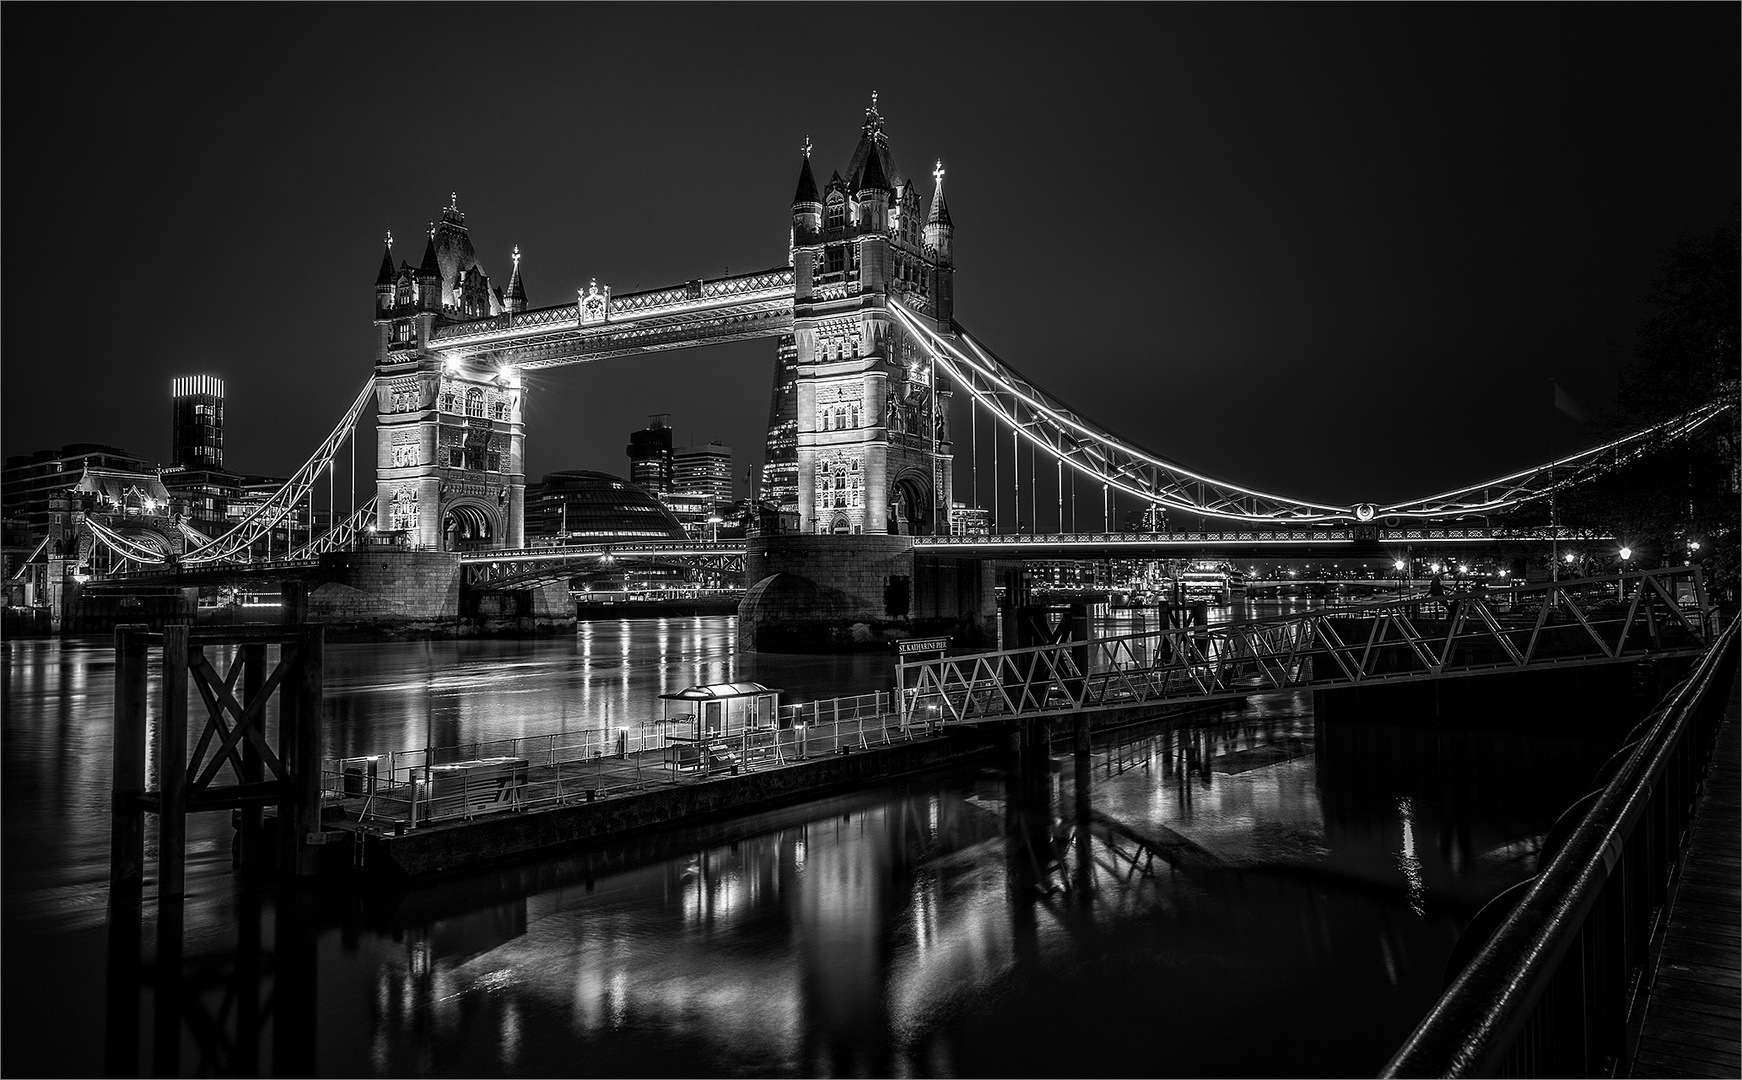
{"type": "Point", "coordinates": [705, 717]}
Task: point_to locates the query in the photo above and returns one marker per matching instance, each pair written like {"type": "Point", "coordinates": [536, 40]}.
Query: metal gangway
{"type": "Point", "coordinates": [1610, 619]}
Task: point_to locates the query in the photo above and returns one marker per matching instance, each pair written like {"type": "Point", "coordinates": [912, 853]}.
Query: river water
{"type": "Point", "coordinates": [1248, 895]}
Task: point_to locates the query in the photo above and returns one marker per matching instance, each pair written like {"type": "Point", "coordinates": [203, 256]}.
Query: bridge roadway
{"type": "Point", "coordinates": [524, 567]}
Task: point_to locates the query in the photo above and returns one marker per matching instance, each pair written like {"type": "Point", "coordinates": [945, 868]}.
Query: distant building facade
{"type": "Point", "coordinates": [581, 506]}
{"type": "Point", "coordinates": [703, 470]}
{"type": "Point", "coordinates": [779, 486]}
{"type": "Point", "coordinates": [650, 456]}
{"type": "Point", "coordinates": [197, 424]}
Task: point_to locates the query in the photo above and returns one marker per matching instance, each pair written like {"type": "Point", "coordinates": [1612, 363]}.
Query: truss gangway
{"type": "Point", "coordinates": [1617, 618]}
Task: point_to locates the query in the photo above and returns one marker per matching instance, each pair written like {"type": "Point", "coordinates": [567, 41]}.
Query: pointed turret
{"type": "Point", "coordinates": [939, 242]}
{"type": "Point", "coordinates": [807, 205]}
{"type": "Point", "coordinates": [429, 276]}
{"type": "Point", "coordinates": [385, 277]}
{"type": "Point", "coordinates": [872, 177]}
{"type": "Point", "coordinates": [940, 210]}
{"type": "Point", "coordinates": [873, 143]}
{"type": "Point", "coordinates": [807, 181]}
{"type": "Point", "coordinates": [384, 280]}
{"type": "Point", "coordinates": [515, 300]}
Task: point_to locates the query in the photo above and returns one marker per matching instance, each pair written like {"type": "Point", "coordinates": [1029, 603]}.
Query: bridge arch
{"type": "Point", "coordinates": [469, 524]}
{"type": "Point", "coordinates": [910, 504]}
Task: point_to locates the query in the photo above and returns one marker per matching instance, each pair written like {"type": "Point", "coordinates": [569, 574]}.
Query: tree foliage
{"type": "Point", "coordinates": [1685, 355]}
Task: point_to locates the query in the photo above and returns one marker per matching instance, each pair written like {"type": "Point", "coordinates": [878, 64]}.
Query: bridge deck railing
{"type": "Point", "coordinates": [1584, 621]}
{"type": "Point", "coordinates": [422, 786]}
{"type": "Point", "coordinates": [1559, 987]}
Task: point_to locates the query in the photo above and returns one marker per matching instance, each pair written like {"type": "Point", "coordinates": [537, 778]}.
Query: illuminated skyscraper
{"type": "Point", "coordinates": [197, 402]}
{"type": "Point", "coordinates": [649, 453]}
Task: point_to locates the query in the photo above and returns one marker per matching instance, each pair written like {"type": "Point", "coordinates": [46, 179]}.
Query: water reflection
{"type": "Point", "coordinates": [1138, 909]}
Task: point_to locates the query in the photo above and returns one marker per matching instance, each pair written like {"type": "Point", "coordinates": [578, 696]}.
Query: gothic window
{"type": "Point", "coordinates": [837, 212]}
{"type": "Point", "coordinates": [449, 402]}
{"type": "Point", "coordinates": [475, 402]}
{"type": "Point", "coordinates": [837, 258]}
{"type": "Point", "coordinates": [402, 511]}
{"type": "Point", "coordinates": [499, 410]}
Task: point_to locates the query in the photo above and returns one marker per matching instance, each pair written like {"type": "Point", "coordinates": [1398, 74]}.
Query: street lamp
{"type": "Point", "coordinates": [1626, 553]}
{"type": "Point", "coordinates": [714, 527]}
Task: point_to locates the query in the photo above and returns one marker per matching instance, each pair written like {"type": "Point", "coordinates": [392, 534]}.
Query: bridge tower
{"type": "Point", "coordinates": [450, 435]}
{"type": "Point", "coordinates": [873, 440]}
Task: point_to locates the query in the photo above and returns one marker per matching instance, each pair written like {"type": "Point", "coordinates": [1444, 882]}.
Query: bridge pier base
{"type": "Point", "coordinates": [827, 593]}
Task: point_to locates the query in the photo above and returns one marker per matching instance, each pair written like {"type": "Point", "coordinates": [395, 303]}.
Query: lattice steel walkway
{"type": "Point", "coordinates": [1601, 620]}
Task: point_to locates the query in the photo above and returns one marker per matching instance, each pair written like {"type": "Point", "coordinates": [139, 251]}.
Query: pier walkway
{"type": "Point", "coordinates": [1694, 1021]}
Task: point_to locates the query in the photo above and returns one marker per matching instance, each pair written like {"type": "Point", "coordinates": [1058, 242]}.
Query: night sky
{"type": "Point", "coordinates": [1337, 253]}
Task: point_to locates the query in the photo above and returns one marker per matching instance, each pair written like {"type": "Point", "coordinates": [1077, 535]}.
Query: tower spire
{"type": "Point", "coordinates": [516, 298]}
{"type": "Point", "coordinates": [385, 277]}
{"type": "Point", "coordinates": [940, 210]}
{"type": "Point", "coordinates": [807, 181]}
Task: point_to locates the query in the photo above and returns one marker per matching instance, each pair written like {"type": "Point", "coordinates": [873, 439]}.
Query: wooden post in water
{"type": "Point", "coordinates": [1082, 747]}
{"type": "Point", "coordinates": [311, 650]}
{"type": "Point", "coordinates": [172, 766]}
{"type": "Point", "coordinates": [253, 658]}
{"type": "Point", "coordinates": [127, 779]}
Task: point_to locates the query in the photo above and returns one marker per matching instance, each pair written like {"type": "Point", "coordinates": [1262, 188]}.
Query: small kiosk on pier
{"type": "Point", "coordinates": [719, 726]}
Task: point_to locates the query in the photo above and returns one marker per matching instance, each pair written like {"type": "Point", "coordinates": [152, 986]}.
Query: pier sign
{"type": "Point", "coordinates": [909, 646]}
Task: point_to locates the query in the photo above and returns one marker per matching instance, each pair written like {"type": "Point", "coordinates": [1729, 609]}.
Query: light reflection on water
{"type": "Point", "coordinates": [1255, 897]}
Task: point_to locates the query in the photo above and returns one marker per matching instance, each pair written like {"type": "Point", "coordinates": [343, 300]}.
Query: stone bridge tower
{"type": "Point", "coordinates": [873, 440]}
{"type": "Point", "coordinates": [450, 436]}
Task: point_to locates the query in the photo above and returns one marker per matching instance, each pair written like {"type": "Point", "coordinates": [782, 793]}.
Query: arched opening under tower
{"type": "Point", "coordinates": [910, 507]}
{"type": "Point", "coordinates": [467, 527]}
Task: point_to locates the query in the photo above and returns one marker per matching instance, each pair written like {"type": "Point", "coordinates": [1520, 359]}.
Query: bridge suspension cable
{"type": "Point", "coordinates": [265, 517]}
{"type": "Point", "coordinates": [149, 551]}
{"type": "Point", "coordinates": [339, 535]}
{"type": "Point", "coordinates": [1090, 450]}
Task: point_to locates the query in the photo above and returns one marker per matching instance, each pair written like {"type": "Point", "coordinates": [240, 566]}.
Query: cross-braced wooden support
{"type": "Point", "coordinates": [234, 764]}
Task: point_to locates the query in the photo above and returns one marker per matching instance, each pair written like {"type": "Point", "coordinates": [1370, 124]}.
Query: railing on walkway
{"type": "Point", "coordinates": [1559, 987]}
{"type": "Point", "coordinates": [419, 786]}
{"type": "Point", "coordinates": [1598, 620]}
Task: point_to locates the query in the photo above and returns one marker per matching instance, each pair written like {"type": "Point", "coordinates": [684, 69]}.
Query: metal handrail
{"type": "Point", "coordinates": [1541, 976]}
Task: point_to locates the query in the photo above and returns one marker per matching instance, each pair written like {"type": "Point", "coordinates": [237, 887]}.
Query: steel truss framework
{"type": "Point", "coordinates": [1599, 620]}
{"type": "Point", "coordinates": [525, 568]}
{"type": "Point", "coordinates": [1057, 430]}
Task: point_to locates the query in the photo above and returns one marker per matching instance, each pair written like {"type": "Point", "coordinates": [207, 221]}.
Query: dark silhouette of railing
{"type": "Point", "coordinates": [1560, 985]}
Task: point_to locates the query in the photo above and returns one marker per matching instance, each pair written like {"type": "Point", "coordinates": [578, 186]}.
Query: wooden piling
{"type": "Point", "coordinates": [252, 656]}
{"type": "Point", "coordinates": [311, 649]}
{"type": "Point", "coordinates": [127, 777]}
{"type": "Point", "coordinates": [172, 766]}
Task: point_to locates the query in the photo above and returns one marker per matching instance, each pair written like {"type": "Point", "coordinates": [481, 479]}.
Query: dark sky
{"type": "Point", "coordinates": [1333, 252]}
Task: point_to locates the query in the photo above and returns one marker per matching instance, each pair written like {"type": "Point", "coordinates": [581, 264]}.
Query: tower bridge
{"type": "Point", "coordinates": [864, 309]}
